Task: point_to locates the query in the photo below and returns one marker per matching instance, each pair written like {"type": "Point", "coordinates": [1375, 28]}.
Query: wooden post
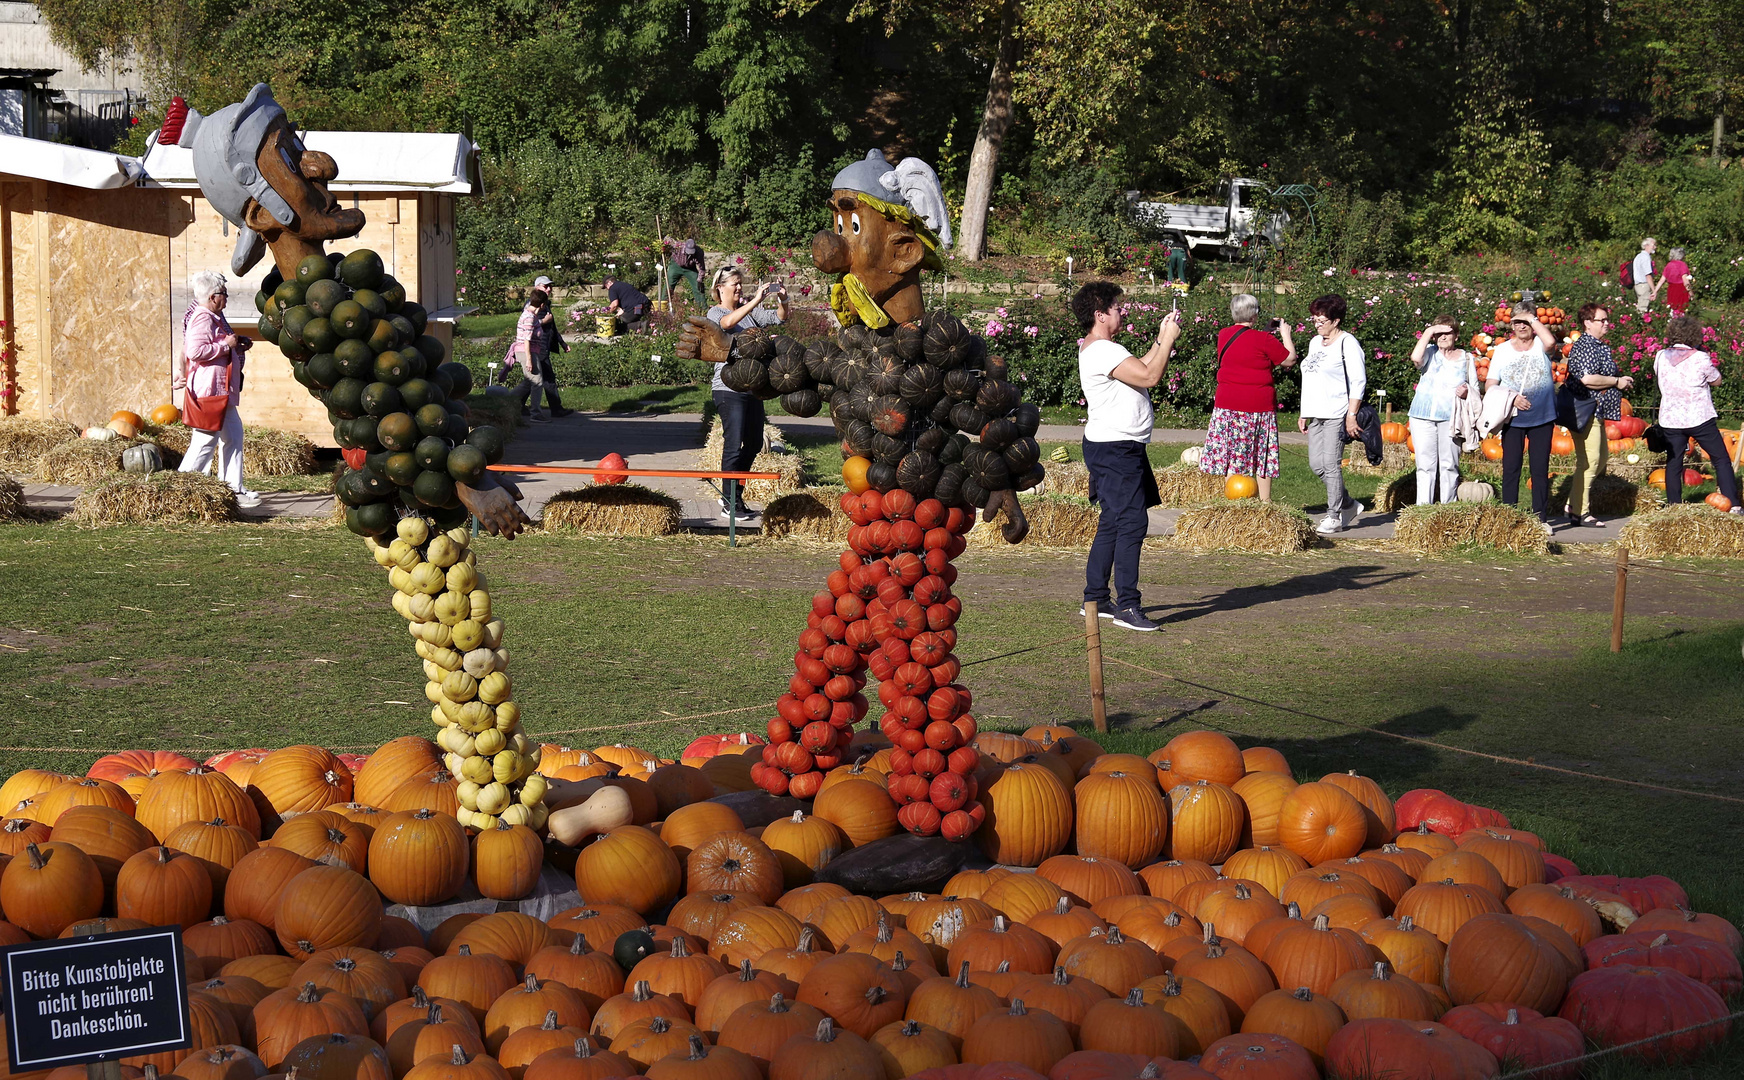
{"type": "Point", "coordinates": [1617, 598]}
{"type": "Point", "coordinates": [1093, 636]}
{"type": "Point", "coordinates": [103, 1070]}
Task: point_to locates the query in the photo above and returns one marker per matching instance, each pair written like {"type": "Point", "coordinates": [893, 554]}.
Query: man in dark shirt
{"type": "Point", "coordinates": [627, 303]}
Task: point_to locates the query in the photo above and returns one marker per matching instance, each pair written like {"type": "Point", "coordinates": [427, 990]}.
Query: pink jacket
{"type": "Point", "coordinates": [212, 369]}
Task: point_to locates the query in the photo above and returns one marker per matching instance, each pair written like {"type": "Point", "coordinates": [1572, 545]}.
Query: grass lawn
{"type": "Point", "coordinates": [1348, 658]}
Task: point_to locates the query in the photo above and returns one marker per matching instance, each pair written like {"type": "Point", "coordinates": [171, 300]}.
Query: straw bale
{"type": "Point", "coordinates": [1397, 493]}
{"type": "Point", "coordinates": [1067, 478]}
{"type": "Point", "coordinates": [812, 514]}
{"type": "Point", "coordinates": [1394, 457]}
{"type": "Point", "coordinates": [1612, 496]}
{"type": "Point", "coordinates": [131, 499]}
{"type": "Point", "coordinates": [82, 461]}
{"type": "Point", "coordinates": [1443, 527]}
{"type": "Point", "coordinates": [1054, 521]}
{"type": "Point", "coordinates": [11, 499]}
{"type": "Point", "coordinates": [265, 451]}
{"type": "Point", "coordinates": [1246, 525]}
{"type": "Point", "coordinates": [1692, 529]}
{"type": "Point", "coordinates": [784, 461]}
{"type": "Point", "coordinates": [613, 510]}
{"type": "Point", "coordinates": [23, 441]}
{"type": "Point", "coordinates": [1185, 485]}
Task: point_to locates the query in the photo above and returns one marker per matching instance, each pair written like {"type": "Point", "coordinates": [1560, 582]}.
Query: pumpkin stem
{"type": "Point", "coordinates": [798, 817]}
{"type": "Point", "coordinates": [697, 1050]}
{"type": "Point", "coordinates": [1321, 922]}
{"type": "Point", "coordinates": [899, 962]}
{"type": "Point", "coordinates": [465, 950]}
{"type": "Point", "coordinates": [1060, 976]}
{"type": "Point", "coordinates": [1172, 919]}
{"type": "Point", "coordinates": [579, 946]}
{"type": "Point", "coordinates": [308, 993]}
{"type": "Point", "coordinates": [1293, 911]}
{"type": "Point", "coordinates": [150, 1071]}
{"type": "Point", "coordinates": [1406, 924]}
{"type": "Point", "coordinates": [550, 1023]}
{"type": "Point", "coordinates": [433, 1015]}
{"type": "Point", "coordinates": [1149, 1072]}
{"type": "Point", "coordinates": [163, 856]}
{"type": "Point", "coordinates": [1210, 934]}
{"type": "Point", "coordinates": [1135, 997]}
{"type": "Point", "coordinates": [746, 973]}
{"type": "Point", "coordinates": [1302, 993]}
{"type": "Point", "coordinates": [660, 1025]}
{"type": "Point", "coordinates": [459, 1056]}
{"type": "Point", "coordinates": [875, 995]}
{"type": "Point", "coordinates": [1242, 892]}
{"type": "Point", "coordinates": [1004, 967]}
{"type": "Point", "coordinates": [642, 991]}
{"type": "Point", "coordinates": [963, 975]}
{"type": "Point", "coordinates": [1382, 971]}
{"type": "Point", "coordinates": [1171, 985]}
{"type": "Point", "coordinates": [911, 1028]}
{"type": "Point", "coordinates": [420, 1000]}
{"type": "Point", "coordinates": [883, 935]}
{"type": "Point", "coordinates": [679, 949]}
{"type": "Point", "coordinates": [1115, 937]}
{"type": "Point", "coordinates": [805, 940]}
{"type": "Point", "coordinates": [1513, 1016]}
{"type": "Point", "coordinates": [1422, 828]}
{"type": "Point", "coordinates": [37, 859]}
{"type": "Point", "coordinates": [1214, 950]}
{"type": "Point", "coordinates": [1658, 941]}
{"type": "Point", "coordinates": [1000, 926]}
{"type": "Point", "coordinates": [777, 1004]}
{"type": "Point", "coordinates": [1063, 906]}
{"type": "Point", "coordinates": [583, 1048]}
{"type": "Point", "coordinates": [345, 963]}
{"type": "Point", "coordinates": [1017, 1008]}
{"type": "Point", "coordinates": [826, 1031]}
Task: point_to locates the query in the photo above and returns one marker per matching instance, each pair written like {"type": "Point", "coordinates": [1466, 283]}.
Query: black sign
{"type": "Point", "coordinates": [71, 1001]}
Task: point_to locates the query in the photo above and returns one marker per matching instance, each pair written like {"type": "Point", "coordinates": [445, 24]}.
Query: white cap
{"type": "Point", "coordinates": [541, 282]}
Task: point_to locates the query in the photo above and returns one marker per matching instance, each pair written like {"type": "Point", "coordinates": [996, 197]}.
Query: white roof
{"type": "Point", "coordinates": [64, 164]}
{"type": "Point", "coordinates": [367, 160]}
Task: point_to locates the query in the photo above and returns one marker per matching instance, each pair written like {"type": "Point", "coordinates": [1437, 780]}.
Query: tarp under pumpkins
{"type": "Point", "coordinates": [96, 249]}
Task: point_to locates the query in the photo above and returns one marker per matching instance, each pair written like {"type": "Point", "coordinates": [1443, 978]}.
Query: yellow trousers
{"type": "Point", "coordinates": [1591, 450]}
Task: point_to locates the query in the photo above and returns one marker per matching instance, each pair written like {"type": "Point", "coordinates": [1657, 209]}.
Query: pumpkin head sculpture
{"type": "Point", "coordinates": [888, 226]}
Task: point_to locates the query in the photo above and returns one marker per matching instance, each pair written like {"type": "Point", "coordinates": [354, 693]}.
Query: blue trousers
{"type": "Point", "coordinates": [742, 418]}
{"type": "Point", "coordinates": [1122, 483]}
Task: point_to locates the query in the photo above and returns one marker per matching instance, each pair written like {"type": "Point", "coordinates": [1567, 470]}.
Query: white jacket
{"type": "Point", "coordinates": [1498, 409]}
{"type": "Point", "coordinates": [1468, 418]}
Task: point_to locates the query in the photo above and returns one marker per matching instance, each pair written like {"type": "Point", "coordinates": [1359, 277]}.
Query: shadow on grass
{"type": "Point", "coordinates": [1338, 579]}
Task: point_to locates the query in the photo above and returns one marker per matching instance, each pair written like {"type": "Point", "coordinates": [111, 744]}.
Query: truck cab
{"type": "Point", "coordinates": [1226, 226]}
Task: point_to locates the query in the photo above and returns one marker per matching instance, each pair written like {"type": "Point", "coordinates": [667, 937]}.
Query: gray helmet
{"type": "Point", "coordinates": [226, 145]}
{"type": "Point", "coordinates": [867, 176]}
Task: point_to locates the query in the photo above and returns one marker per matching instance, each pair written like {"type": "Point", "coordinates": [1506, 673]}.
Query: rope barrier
{"type": "Point", "coordinates": [1619, 1048]}
{"type": "Point", "coordinates": [1500, 758]}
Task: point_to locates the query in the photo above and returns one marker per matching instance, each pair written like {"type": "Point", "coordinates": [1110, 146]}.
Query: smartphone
{"type": "Point", "coordinates": [1174, 301]}
{"type": "Point", "coordinates": [1274, 324]}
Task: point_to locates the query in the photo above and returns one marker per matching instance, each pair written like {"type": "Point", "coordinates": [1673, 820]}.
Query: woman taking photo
{"type": "Point", "coordinates": [741, 414]}
{"type": "Point", "coordinates": [1686, 410]}
{"type": "Point", "coordinates": [1591, 364]}
{"type": "Point", "coordinates": [1242, 439]}
{"type": "Point", "coordinates": [1333, 381]}
{"type": "Point", "coordinates": [1520, 366]}
{"type": "Point", "coordinates": [1447, 375]}
{"type": "Point", "coordinates": [214, 354]}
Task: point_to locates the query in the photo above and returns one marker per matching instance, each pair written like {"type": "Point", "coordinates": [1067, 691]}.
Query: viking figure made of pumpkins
{"type": "Point", "coordinates": [932, 431]}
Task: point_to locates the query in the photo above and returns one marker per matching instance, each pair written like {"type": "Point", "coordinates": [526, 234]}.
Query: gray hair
{"type": "Point", "coordinates": [205, 284]}
{"type": "Point", "coordinates": [1524, 309]}
{"type": "Point", "coordinates": [1677, 253]}
{"type": "Point", "coordinates": [1243, 308]}
{"type": "Point", "coordinates": [1649, 242]}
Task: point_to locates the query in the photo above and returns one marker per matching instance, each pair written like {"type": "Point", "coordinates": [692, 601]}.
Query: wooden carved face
{"type": "Point", "coordinates": [300, 176]}
{"type": "Point", "coordinates": [885, 255]}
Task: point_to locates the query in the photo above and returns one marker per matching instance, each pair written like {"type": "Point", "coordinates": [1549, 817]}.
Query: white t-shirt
{"type": "Point", "coordinates": [1332, 376]}
{"type": "Point", "coordinates": [1118, 412]}
{"type": "Point", "coordinates": [1643, 268]}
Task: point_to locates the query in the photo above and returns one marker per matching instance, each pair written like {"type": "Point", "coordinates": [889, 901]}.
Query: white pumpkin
{"type": "Point", "coordinates": [100, 434]}
{"type": "Point", "coordinates": [1192, 454]}
{"type": "Point", "coordinates": [1476, 491]}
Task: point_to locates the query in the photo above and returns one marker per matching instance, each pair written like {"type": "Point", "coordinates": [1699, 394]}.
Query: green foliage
{"type": "Point", "coordinates": [1494, 181]}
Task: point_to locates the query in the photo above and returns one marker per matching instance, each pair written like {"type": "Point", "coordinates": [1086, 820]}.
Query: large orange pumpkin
{"type": "Point", "coordinates": [1321, 822]}
{"type": "Point", "coordinates": [1240, 487]}
{"type": "Point", "coordinates": [630, 866]}
{"type": "Point", "coordinates": [1121, 816]}
{"type": "Point", "coordinates": [327, 906]}
{"type": "Point", "coordinates": [418, 857]}
{"type": "Point", "coordinates": [1206, 823]}
{"type": "Point", "coordinates": [1029, 816]}
{"type": "Point", "coordinates": [178, 796]}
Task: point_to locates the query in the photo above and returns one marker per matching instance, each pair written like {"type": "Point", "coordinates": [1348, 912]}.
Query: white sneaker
{"type": "Point", "coordinates": [1348, 515]}
{"type": "Point", "coordinates": [248, 500]}
{"type": "Point", "coordinates": [1329, 525]}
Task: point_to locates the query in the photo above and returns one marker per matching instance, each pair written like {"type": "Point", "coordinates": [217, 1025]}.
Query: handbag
{"type": "Point", "coordinates": [1658, 441]}
{"type": "Point", "coordinates": [1575, 405]}
{"type": "Point", "coordinates": [204, 413]}
{"type": "Point", "coordinates": [1368, 421]}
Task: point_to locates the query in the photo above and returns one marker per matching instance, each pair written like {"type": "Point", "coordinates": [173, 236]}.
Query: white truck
{"type": "Point", "coordinates": [1226, 227]}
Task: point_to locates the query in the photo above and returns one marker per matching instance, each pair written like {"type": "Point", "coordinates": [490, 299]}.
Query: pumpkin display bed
{"type": "Point", "coordinates": [1366, 933]}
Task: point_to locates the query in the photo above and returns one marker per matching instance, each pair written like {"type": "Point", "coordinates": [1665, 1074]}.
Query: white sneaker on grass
{"type": "Point", "coordinates": [248, 500]}
{"type": "Point", "coordinates": [1328, 525]}
{"type": "Point", "coordinates": [1347, 516]}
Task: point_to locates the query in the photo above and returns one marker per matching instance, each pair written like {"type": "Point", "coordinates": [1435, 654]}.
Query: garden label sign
{"type": "Point", "coordinates": [97, 998]}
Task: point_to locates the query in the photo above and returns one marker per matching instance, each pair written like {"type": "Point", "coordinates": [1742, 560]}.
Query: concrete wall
{"type": "Point", "coordinates": [25, 43]}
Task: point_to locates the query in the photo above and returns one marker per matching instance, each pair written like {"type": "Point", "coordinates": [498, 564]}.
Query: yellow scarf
{"type": "Point", "coordinates": [849, 298]}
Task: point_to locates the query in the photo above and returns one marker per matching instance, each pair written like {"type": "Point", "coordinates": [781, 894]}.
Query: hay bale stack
{"type": "Point", "coordinates": [1394, 457]}
{"type": "Point", "coordinates": [1444, 527]}
{"type": "Point", "coordinates": [612, 510]}
{"type": "Point", "coordinates": [82, 461]}
{"type": "Point", "coordinates": [129, 499]}
{"type": "Point", "coordinates": [1398, 493]}
{"type": "Point", "coordinates": [265, 451]}
{"type": "Point", "coordinates": [11, 499]}
{"type": "Point", "coordinates": [1067, 478]}
{"type": "Point", "coordinates": [784, 461]}
{"type": "Point", "coordinates": [1246, 525]}
{"type": "Point", "coordinates": [23, 441]}
{"type": "Point", "coordinates": [1612, 496]}
{"type": "Point", "coordinates": [1064, 521]}
{"type": "Point", "coordinates": [813, 514]}
{"type": "Point", "coordinates": [1185, 485]}
{"type": "Point", "coordinates": [1692, 529]}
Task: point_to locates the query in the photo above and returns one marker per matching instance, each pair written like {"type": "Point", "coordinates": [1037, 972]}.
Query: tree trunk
{"type": "Point", "coordinates": [1719, 126]}
{"type": "Point", "coordinates": [984, 160]}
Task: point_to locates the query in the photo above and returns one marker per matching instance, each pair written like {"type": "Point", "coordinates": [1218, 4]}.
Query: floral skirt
{"type": "Point", "coordinates": [1241, 444]}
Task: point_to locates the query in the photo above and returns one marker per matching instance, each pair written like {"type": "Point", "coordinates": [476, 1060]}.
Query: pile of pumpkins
{"type": "Point", "coordinates": [1198, 913]}
{"type": "Point", "coordinates": [442, 596]}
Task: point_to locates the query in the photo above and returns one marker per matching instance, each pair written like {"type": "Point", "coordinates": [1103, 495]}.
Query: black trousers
{"type": "Point", "coordinates": [741, 433]}
{"type": "Point", "coordinates": [1707, 436]}
{"type": "Point", "coordinates": [1514, 441]}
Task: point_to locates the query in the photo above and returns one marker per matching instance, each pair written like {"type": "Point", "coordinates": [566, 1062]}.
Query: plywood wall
{"type": "Point", "coordinates": [95, 286]}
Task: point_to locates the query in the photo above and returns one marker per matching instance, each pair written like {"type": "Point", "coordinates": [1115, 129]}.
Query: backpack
{"type": "Point", "coordinates": [1626, 273]}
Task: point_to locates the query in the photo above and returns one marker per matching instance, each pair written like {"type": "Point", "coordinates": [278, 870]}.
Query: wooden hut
{"type": "Point", "coordinates": [96, 250]}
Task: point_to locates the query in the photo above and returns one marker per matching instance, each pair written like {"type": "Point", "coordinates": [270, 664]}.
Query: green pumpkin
{"type": "Point", "coordinates": [632, 947]}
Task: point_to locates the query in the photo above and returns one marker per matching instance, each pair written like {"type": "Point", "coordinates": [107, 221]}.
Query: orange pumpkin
{"type": "Point", "coordinates": [1321, 822]}
{"type": "Point", "coordinates": [1394, 432]}
{"type": "Point", "coordinates": [1240, 487]}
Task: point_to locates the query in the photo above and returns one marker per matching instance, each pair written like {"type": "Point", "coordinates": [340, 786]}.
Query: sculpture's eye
{"type": "Point", "coordinates": [838, 223]}
{"type": "Point", "coordinates": [854, 219]}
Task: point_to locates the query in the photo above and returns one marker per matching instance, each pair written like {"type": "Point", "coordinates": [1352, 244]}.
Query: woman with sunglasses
{"type": "Point", "coordinates": [1591, 362]}
{"type": "Point", "coordinates": [1520, 366]}
{"type": "Point", "coordinates": [1447, 375]}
